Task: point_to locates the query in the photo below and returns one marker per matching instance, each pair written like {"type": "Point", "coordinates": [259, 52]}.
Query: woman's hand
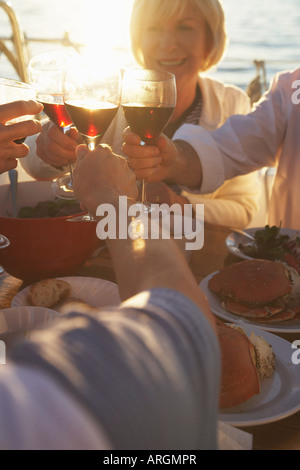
{"type": "Point", "coordinates": [55, 147]}
{"type": "Point", "coordinates": [10, 151]}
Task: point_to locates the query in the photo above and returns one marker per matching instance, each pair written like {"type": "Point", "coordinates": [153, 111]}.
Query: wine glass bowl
{"type": "Point", "coordinates": [13, 90]}
{"type": "Point", "coordinates": [91, 97]}
{"type": "Point", "coordinates": [148, 102]}
{"type": "Point", "coordinates": [46, 73]}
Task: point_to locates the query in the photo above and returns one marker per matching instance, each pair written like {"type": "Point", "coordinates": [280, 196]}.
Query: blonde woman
{"type": "Point", "coordinates": [187, 38]}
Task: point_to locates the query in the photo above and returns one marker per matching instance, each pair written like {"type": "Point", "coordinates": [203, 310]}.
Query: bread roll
{"type": "Point", "coordinates": [73, 304]}
{"type": "Point", "coordinates": [48, 292]}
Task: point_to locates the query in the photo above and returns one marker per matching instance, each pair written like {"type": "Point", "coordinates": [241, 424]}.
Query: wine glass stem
{"type": "Point", "coordinates": [65, 130]}
{"type": "Point", "coordinates": [144, 185]}
{"type": "Point", "coordinates": [144, 188]}
{"type": "Point", "coordinates": [71, 175]}
{"type": "Point", "coordinates": [91, 146]}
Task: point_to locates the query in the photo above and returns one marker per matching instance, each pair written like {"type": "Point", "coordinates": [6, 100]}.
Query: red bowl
{"type": "Point", "coordinates": [41, 248]}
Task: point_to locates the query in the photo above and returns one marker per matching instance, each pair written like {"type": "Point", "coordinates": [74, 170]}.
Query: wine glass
{"type": "Point", "coordinates": [14, 90]}
{"type": "Point", "coordinates": [4, 243]}
{"type": "Point", "coordinates": [148, 102]}
{"type": "Point", "coordinates": [46, 73]}
{"type": "Point", "coordinates": [91, 93]}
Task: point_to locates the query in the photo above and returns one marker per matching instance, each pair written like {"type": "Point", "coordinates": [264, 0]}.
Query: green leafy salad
{"type": "Point", "coordinates": [56, 208]}
{"type": "Point", "coordinates": [271, 244]}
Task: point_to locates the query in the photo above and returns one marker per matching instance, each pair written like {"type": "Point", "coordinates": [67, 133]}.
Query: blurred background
{"type": "Point", "coordinates": [263, 30]}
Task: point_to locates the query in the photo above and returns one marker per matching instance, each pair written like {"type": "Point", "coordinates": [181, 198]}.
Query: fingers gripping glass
{"type": "Point", "coordinates": [14, 90]}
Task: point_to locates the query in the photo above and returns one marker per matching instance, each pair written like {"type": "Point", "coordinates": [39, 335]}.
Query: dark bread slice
{"type": "Point", "coordinates": [48, 292]}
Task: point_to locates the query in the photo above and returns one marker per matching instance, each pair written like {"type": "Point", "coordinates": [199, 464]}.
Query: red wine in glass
{"type": "Point", "coordinates": [147, 121]}
{"type": "Point", "coordinates": [91, 120]}
{"type": "Point", "coordinates": [56, 110]}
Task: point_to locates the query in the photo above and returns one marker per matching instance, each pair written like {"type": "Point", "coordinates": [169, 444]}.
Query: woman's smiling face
{"type": "Point", "coordinates": [177, 44]}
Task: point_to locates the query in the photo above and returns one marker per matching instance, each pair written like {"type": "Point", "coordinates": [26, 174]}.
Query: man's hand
{"type": "Point", "coordinates": [175, 162]}
{"type": "Point", "coordinates": [10, 151]}
{"type": "Point", "coordinates": [101, 177]}
{"type": "Point", "coordinates": [55, 147]}
{"type": "Point", "coordinates": [150, 162]}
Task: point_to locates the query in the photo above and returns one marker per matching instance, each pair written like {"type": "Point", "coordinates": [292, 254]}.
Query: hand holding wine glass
{"type": "Point", "coordinates": [46, 73]}
{"type": "Point", "coordinates": [17, 110]}
{"type": "Point", "coordinates": [148, 101]}
{"type": "Point", "coordinates": [13, 90]}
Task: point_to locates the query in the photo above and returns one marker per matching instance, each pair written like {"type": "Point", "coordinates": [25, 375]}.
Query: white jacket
{"type": "Point", "coordinates": [268, 136]}
{"type": "Point", "coordinates": [236, 201]}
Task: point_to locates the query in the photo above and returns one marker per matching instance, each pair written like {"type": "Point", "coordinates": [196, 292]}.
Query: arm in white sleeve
{"type": "Point", "coordinates": [243, 144]}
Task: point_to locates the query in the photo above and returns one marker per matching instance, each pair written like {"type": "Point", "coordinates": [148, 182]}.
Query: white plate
{"type": "Point", "coordinates": [96, 292]}
{"type": "Point", "coordinates": [280, 394]}
{"type": "Point", "coordinates": [289, 326]}
{"type": "Point", "coordinates": [18, 322]}
{"type": "Point", "coordinates": [234, 239]}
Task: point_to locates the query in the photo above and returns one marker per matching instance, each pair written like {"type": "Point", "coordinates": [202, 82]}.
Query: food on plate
{"type": "Point", "coordinates": [264, 356]}
{"type": "Point", "coordinates": [48, 292]}
{"type": "Point", "coordinates": [55, 294]}
{"type": "Point", "coordinates": [239, 378]}
{"type": "Point", "coordinates": [56, 208]}
{"type": "Point", "coordinates": [245, 362]}
{"type": "Point", "coordinates": [271, 244]}
{"type": "Point", "coordinates": [263, 290]}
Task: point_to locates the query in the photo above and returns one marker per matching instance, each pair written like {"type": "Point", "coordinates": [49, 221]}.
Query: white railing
{"type": "Point", "coordinates": [17, 53]}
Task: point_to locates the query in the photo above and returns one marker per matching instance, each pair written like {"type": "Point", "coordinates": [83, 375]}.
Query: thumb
{"type": "Point", "coordinates": [162, 142]}
{"type": "Point", "coordinates": [81, 152]}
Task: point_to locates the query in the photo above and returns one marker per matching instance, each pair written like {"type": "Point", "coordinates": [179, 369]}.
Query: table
{"type": "Point", "coordinates": [281, 435]}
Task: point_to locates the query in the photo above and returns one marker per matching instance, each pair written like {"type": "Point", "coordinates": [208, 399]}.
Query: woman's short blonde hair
{"type": "Point", "coordinates": [212, 11]}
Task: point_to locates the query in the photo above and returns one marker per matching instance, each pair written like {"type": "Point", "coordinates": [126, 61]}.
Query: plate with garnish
{"type": "Point", "coordinates": [273, 243]}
